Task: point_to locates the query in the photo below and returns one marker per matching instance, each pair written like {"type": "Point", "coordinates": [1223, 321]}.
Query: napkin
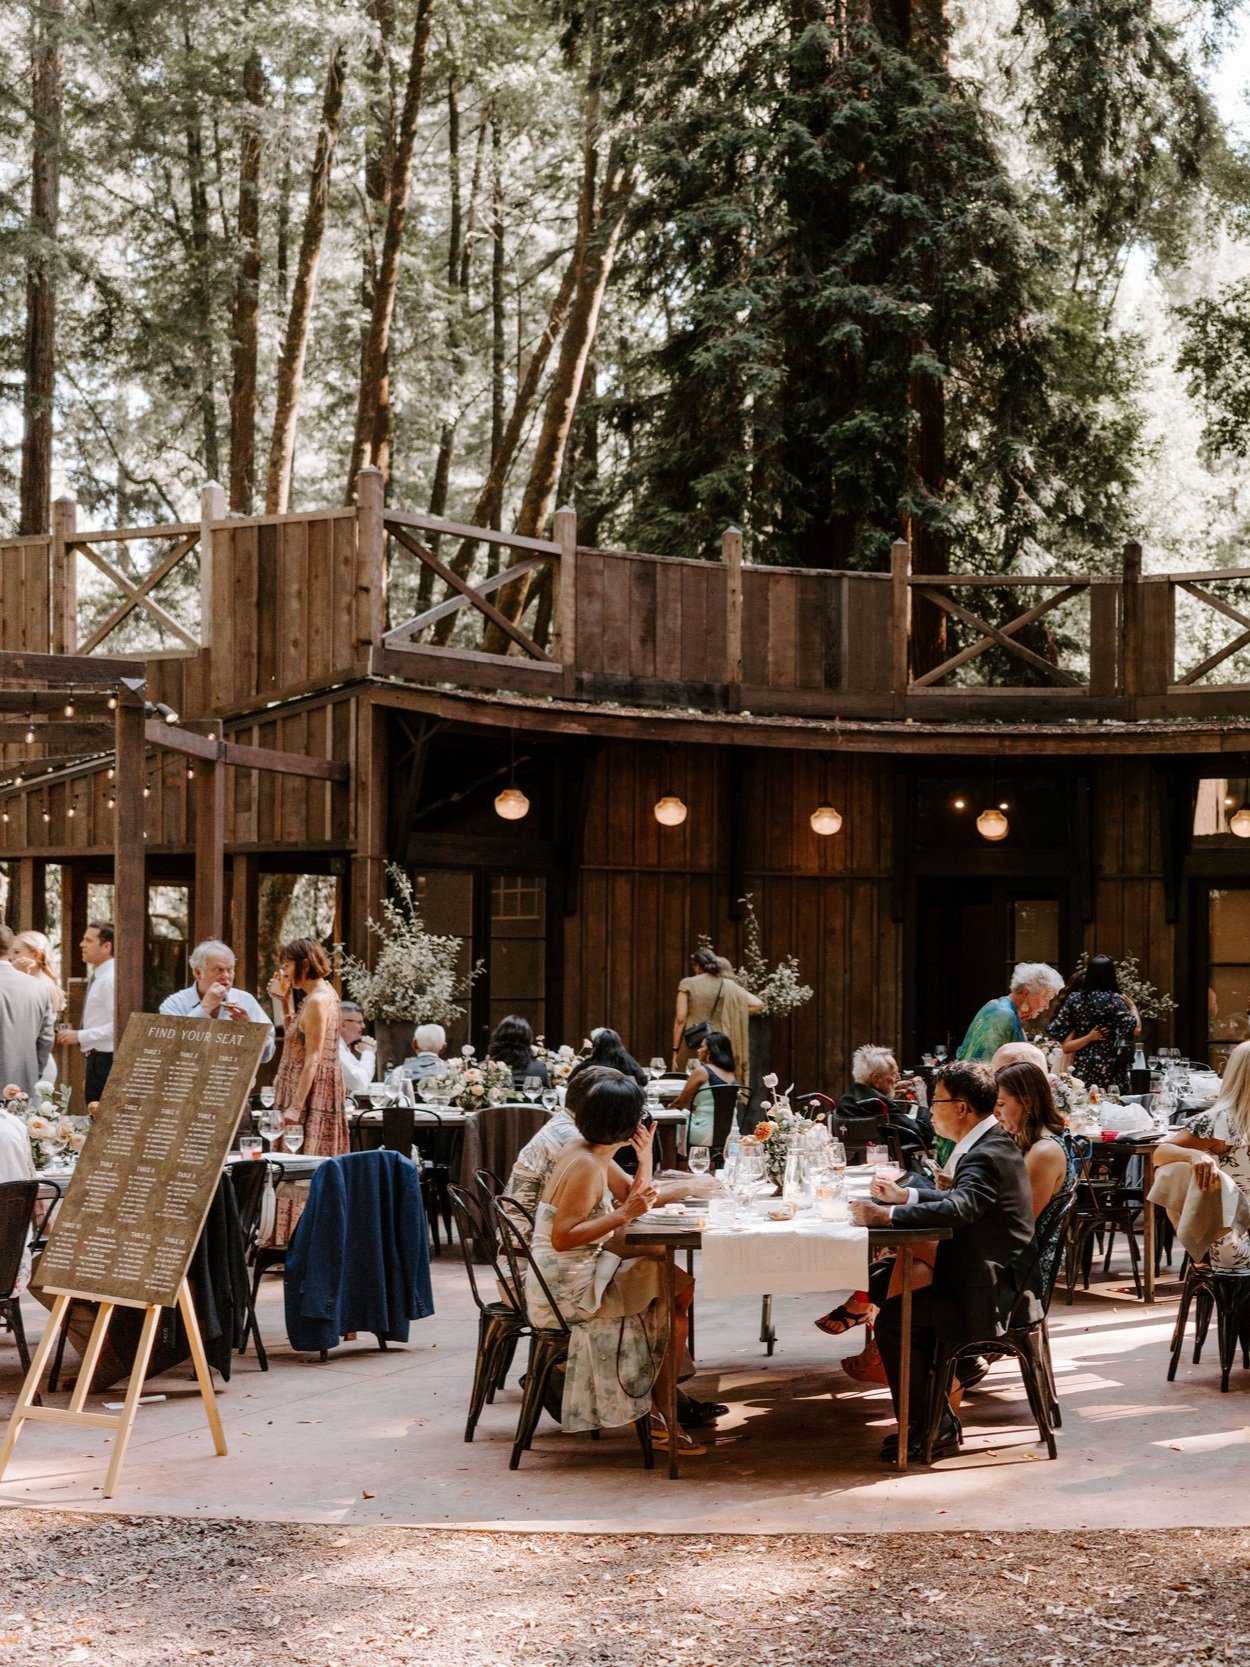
{"type": "Point", "coordinates": [1200, 1218]}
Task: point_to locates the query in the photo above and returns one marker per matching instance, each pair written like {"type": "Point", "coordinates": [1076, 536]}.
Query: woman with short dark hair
{"type": "Point", "coordinates": [1096, 1026]}
{"type": "Point", "coordinates": [309, 1083]}
{"type": "Point", "coordinates": [612, 1298]}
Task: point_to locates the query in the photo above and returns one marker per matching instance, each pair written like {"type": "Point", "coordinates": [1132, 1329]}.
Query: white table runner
{"type": "Point", "coordinates": [782, 1258]}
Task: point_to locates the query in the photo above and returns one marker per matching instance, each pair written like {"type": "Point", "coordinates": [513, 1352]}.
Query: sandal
{"type": "Point", "coordinates": [840, 1320]}
{"type": "Point", "coordinates": [687, 1446]}
{"type": "Point", "coordinates": [867, 1367]}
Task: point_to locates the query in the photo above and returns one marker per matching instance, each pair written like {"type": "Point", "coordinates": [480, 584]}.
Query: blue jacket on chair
{"type": "Point", "coordinates": [359, 1260]}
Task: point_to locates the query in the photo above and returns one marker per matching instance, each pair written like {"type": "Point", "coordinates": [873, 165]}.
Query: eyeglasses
{"type": "Point", "coordinates": [935, 1103]}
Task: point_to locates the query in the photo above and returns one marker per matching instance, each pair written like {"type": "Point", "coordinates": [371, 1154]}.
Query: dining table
{"type": "Point", "coordinates": [674, 1236]}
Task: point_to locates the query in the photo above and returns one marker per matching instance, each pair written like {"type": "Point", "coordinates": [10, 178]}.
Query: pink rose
{"type": "Point", "coordinates": [12, 1091]}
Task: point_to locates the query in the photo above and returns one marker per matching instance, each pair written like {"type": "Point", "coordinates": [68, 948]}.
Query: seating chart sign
{"type": "Point", "coordinates": [132, 1213]}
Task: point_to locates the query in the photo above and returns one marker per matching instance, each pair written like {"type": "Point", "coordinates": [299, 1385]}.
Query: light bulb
{"type": "Point", "coordinates": [47, 815]}
{"type": "Point", "coordinates": [670, 811]}
{"type": "Point", "coordinates": [512, 804]}
{"type": "Point", "coordinates": [112, 703]}
{"type": "Point", "coordinates": [992, 824]}
{"type": "Point", "coordinates": [190, 772]}
{"type": "Point", "coordinates": [30, 734]}
{"type": "Point", "coordinates": [961, 804]}
{"type": "Point", "coordinates": [1240, 822]}
{"type": "Point", "coordinates": [69, 707]}
{"type": "Point", "coordinates": [825, 819]}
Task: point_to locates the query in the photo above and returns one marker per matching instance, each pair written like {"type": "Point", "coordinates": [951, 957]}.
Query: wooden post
{"type": "Point", "coordinates": [29, 914]}
{"type": "Point", "coordinates": [210, 842]}
{"type": "Point", "coordinates": [368, 879]}
{"type": "Point", "coordinates": [731, 555]}
{"type": "Point", "coordinates": [564, 608]}
{"type": "Point", "coordinates": [900, 616]}
{"type": "Point", "coordinates": [370, 561]}
{"type": "Point", "coordinates": [63, 578]}
{"type": "Point", "coordinates": [245, 920]}
{"type": "Point", "coordinates": [130, 905]}
{"type": "Point", "coordinates": [1130, 623]}
{"type": "Point", "coordinates": [212, 508]}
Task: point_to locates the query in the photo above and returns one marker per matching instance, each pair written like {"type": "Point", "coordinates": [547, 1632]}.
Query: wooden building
{"type": "Point", "coordinates": [346, 638]}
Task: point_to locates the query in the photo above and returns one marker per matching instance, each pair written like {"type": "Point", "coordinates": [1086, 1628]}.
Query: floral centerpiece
{"type": "Point", "coordinates": [49, 1127]}
{"type": "Point", "coordinates": [560, 1061]}
{"type": "Point", "coordinates": [1069, 1092]}
{"type": "Point", "coordinates": [778, 1129]}
{"type": "Point", "coordinates": [470, 1084]}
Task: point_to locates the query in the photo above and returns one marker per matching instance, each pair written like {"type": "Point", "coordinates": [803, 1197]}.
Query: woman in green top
{"type": "Point", "coordinates": [1034, 986]}
{"type": "Point", "coordinates": [716, 1065]}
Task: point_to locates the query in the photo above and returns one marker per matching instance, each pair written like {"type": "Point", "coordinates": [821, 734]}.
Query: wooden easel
{"type": "Point", "coordinates": [122, 1422]}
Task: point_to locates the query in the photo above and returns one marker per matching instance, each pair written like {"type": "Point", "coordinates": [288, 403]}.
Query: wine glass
{"type": "Point", "coordinates": [939, 1053]}
{"type": "Point", "coordinates": [835, 1158]}
{"type": "Point", "coordinates": [550, 1099]}
{"type": "Point", "coordinates": [271, 1126]}
{"type": "Point", "coordinates": [700, 1159]}
{"type": "Point", "coordinates": [656, 1068]}
{"type": "Point", "coordinates": [53, 1145]}
{"type": "Point", "coordinates": [293, 1137]}
{"type": "Point", "coordinates": [378, 1094]}
{"type": "Point", "coordinates": [267, 1097]}
{"type": "Point", "coordinates": [532, 1087]}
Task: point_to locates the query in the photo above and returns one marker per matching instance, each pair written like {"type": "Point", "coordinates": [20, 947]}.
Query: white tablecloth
{"type": "Point", "coordinates": [781, 1258]}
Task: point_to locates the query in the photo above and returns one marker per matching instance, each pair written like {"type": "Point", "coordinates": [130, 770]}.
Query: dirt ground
{"type": "Point", "coordinates": [128, 1590]}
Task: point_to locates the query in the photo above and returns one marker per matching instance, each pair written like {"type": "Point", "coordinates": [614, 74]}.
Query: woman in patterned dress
{"type": "Point", "coordinates": [1215, 1139]}
{"type": "Point", "coordinates": [613, 1302]}
{"type": "Point", "coordinates": [309, 1084]}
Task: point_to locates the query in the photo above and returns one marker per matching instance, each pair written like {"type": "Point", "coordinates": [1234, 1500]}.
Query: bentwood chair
{"type": "Point", "coordinates": [501, 1321]}
{"type": "Point", "coordinates": [17, 1205]}
{"type": "Point", "coordinates": [1025, 1340]}
{"type": "Point", "coordinates": [1224, 1292]}
{"type": "Point", "coordinates": [549, 1345]}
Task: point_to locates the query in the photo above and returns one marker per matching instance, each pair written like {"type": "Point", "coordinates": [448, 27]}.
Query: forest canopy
{"type": "Point", "coordinates": [837, 271]}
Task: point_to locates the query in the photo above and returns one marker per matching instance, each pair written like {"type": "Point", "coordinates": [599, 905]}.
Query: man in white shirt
{"type": "Point", "coordinates": [358, 1053]}
{"type": "Point", "coordinates": [213, 995]}
{"type": "Point", "coordinates": [95, 1034]}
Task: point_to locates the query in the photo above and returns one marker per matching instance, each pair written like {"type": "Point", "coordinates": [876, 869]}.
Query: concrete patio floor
{"type": "Point", "coordinates": [371, 1438]}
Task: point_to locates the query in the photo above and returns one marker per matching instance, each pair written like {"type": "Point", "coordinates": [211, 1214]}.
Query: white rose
{"type": "Point", "coordinates": [42, 1090]}
{"type": "Point", "coordinates": [41, 1128]}
{"type": "Point", "coordinates": [770, 1081]}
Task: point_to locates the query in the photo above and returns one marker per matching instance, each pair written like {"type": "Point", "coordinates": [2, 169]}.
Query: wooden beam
{"type": "Point", "coordinates": [137, 594]}
{"type": "Point", "coordinates": [522, 639]}
{"type": "Point", "coordinates": [245, 918]}
{"type": "Point", "coordinates": [212, 508]}
{"type": "Point", "coordinates": [900, 617]}
{"type": "Point", "coordinates": [371, 571]}
{"type": "Point", "coordinates": [170, 738]}
{"type": "Point", "coordinates": [64, 669]}
{"type": "Point", "coordinates": [130, 906]}
{"type": "Point", "coordinates": [161, 571]}
{"type": "Point", "coordinates": [62, 579]}
{"type": "Point", "coordinates": [284, 763]}
{"type": "Point", "coordinates": [400, 633]}
{"type": "Point", "coordinates": [1130, 623]}
{"type": "Point", "coordinates": [479, 535]}
{"type": "Point", "coordinates": [1212, 660]}
{"type": "Point", "coordinates": [564, 609]}
{"type": "Point", "coordinates": [210, 845]}
{"type": "Point", "coordinates": [731, 555]}
{"type": "Point", "coordinates": [368, 871]}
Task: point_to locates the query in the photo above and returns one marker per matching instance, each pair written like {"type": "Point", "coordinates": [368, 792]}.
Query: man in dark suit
{"type": "Point", "coordinates": [988, 1204]}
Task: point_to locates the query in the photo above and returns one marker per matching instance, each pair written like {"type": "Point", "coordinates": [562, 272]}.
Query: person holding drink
{"type": "Point", "coordinates": [309, 1084]}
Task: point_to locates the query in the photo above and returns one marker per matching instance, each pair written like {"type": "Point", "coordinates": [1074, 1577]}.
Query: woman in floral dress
{"type": "Point", "coordinates": [1215, 1139]}
{"type": "Point", "coordinates": [613, 1302]}
{"type": "Point", "coordinates": [1096, 1026]}
{"type": "Point", "coordinates": [309, 1084]}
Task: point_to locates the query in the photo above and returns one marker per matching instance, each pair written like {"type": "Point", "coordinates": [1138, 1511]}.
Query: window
{"type": "Point", "coordinates": [1035, 929]}
{"type": "Point", "coordinates": [516, 897]}
{"type": "Point", "coordinates": [1228, 972]}
{"type": "Point", "coordinates": [1218, 801]}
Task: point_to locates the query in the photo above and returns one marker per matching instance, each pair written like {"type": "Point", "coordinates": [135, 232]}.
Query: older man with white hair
{"type": "Point", "coordinates": [429, 1044]}
{"type": "Point", "coordinates": [1034, 986]}
{"type": "Point", "coordinates": [213, 995]}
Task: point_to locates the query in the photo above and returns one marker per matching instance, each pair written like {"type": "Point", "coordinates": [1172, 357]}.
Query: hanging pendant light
{"type": "Point", "coordinates": [670, 811]}
{"type": "Point", "coordinates": [992, 824]}
{"type": "Point", "coordinates": [1239, 823]}
{"type": "Point", "coordinates": [511, 804]}
{"type": "Point", "coordinates": [825, 820]}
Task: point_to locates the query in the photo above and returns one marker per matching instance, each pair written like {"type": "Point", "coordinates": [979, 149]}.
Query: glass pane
{"type": "Point", "coordinates": [1218, 799]}
{"type": "Point", "coordinates": [169, 910]}
{"type": "Point", "coordinates": [518, 949]}
{"type": "Point", "coordinates": [1228, 995]}
{"type": "Point", "coordinates": [1230, 925]}
{"type": "Point", "coordinates": [1035, 929]}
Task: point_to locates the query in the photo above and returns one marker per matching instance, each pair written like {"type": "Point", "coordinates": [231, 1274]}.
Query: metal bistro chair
{"type": "Point", "coordinates": [501, 1323]}
{"type": "Point", "coordinates": [399, 1134]}
{"type": "Point", "coordinates": [249, 1181]}
{"type": "Point", "coordinates": [1105, 1205]}
{"type": "Point", "coordinates": [17, 1205]}
{"type": "Point", "coordinates": [1026, 1341]}
{"type": "Point", "coordinates": [725, 1097]}
{"type": "Point", "coordinates": [489, 1187]}
{"type": "Point", "coordinates": [549, 1345]}
{"type": "Point", "coordinates": [1226, 1293]}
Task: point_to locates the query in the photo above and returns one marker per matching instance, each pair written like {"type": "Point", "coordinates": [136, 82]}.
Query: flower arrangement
{"type": "Point", "coordinates": [778, 1129]}
{"type": "Point", "coordinates": [1069, 1092]}
{"type": "Point", "coordinates": [777, 987]}
{"type": "Point", "coordinates": [49, 1128]}
{"type": "Point", "coordinates": [471, 1084]}
{"type": "Point", "coordinates": [416, 978]}
{"type": "Point", "coordinates": [559, 1061]}
{"type": "Point", "coordinates": [1150, 1001]}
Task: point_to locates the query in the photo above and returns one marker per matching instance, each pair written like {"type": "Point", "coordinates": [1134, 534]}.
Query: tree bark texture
{"type": "Point", "coordinates": [242, 486]}
{"type": "Point", "coordinates": [379, 166]}
{"type": "Point", "coordinates": [35, 504]}
{"type": "Point", "coordinates": [377, 344]}
{"type": "Point", "coordinates": [303, 291]}
{"type": "Point", "coordinates": [202, 273]}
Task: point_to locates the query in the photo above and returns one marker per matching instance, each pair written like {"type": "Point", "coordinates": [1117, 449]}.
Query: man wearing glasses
{"type": "Point", "coordinates": [983, 1195]}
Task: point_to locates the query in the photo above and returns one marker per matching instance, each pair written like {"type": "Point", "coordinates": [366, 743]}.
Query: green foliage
{"type": "Point", "coordinates": [1215, 354]}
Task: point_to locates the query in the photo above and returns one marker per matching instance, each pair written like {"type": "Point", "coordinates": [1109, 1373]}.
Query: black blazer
{"type": "Point", "coordinates": [990, 1208]}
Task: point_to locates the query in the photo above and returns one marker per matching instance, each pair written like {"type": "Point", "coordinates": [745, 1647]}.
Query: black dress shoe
{"type": "Point", "coordinates": [945, 1447]}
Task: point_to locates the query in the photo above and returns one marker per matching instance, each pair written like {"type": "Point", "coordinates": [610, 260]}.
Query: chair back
{"type": "Point", "coordinates": [472, 1229]}
{"type": "Point", "coordinates": [1041, 1266]}
{"type": "Point", "coordinates": [508, 1214]}
{"type": "Point", "coordinates": [17, 1204]}
{"type": "Point", "coordinates": [249, 1181]}
{"type": "Point", "coordinates": [489, 1187]}
{"type": "Point", "coordinates": [724, 1104]}
{"type": "Point", "coordinates": [399, 1129]}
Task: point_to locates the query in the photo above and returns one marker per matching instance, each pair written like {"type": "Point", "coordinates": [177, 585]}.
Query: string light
{"type": "Point", "coordinates": [112, 772]}
{"type": "Point", "coordinates": [47, 814]}
{"type": "Point", "coordinates": [69, 705]}
{"type": "Point", "coordinates": [30, 729]}
{"type": "Point", "coordinates": [112, 703]}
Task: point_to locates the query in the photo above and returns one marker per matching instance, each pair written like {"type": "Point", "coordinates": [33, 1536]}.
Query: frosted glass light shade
{"type": "Point", "coordinates": [992, 824]}
{"type": "Point", "coordinates": [670, 811]}
{"type": "Point", "coordinates": [825, 819]}
{"type": "Point", "coordinates": [512, 804]}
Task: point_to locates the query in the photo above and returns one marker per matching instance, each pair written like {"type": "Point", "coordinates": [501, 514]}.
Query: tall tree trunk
{"type": "Point", "coordinates": [379, 166]}
{"type": "Point", "coordinates": [247, 296]}
{"type": "Point", "coordinates": [498, 268]}
{"type": "Point", "coordinates": [201, 261]}
{"type": "Point", "coordinates": [40, 346]}
{"type": "Point", "coordinates": [304, 289]}
{"type": "Point", "coordinates": [378, 343]}
{"type": "Point", "coordinates": [284, 208]}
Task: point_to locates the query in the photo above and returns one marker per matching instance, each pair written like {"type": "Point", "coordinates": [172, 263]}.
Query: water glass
{"type": "Point", "coordinates": [877, 1155]}
{"type": "Point", "coordinates": [700, 1159]}
{"type": "Point", "coordinates": [250, 1146]}
{"type": "Point", "coordinates": [831, 1204]}
{"type": "Point", "coordinates": [550, 1099]}
{"type": "Point", "coordinates": [656, 1068]}
{"type": "Point", "coordinates": [835, 1158]}
{"type": "Point", "coordinates": [267, 1097]}
{"type": "Point", "coordinates": [293, 1137]}
{"type": "Point", "coordinates": [531, 1087]}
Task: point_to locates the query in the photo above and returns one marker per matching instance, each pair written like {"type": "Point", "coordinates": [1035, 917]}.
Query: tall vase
{"type": "Point", "coordinates": [394, 1037]}
{"type": "Point", "coordinates": [759, 1039]}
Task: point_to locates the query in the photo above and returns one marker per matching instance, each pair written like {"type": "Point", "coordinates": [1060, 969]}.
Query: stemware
{"type": "Point", "coordinates": [532, 1087]}
{"type": "Point", "coordinates": [378, 1094]}
{"type": "Point", "coordinates": [700, 1159]}
{"type": "Point", "coordinates": [267, 1097]}
{"type": "Point", "coordinates": [939, 1053]}
{"type": "Point", "coordinates": [293, 1137]}
{"type": "Point", "coordinates": [835, 1158]}
{"type": "Point", "coordinates": [271, 1126]}
{"type": "Point", "coordinates": [656, 1068]}
{"type": "Point", "coordinates": [550, 1099]}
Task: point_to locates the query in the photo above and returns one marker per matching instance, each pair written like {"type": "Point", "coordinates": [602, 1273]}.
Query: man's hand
{"type": "Point", "coordinates": [66, 1038]}
{"type": "Point", "coordinates": [1206, 1171]}
{"type": "Point", "coordinates": [864, 1214]}
{"type": "Point", "coordinates": [213, 997]}
{"type": "Point", "coordinates": [886, 1191]}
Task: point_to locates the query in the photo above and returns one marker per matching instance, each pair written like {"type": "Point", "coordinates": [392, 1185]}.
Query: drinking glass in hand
{"type": "Point", "coordinates": [293, 1137]}
{"type": "Point", "coordinates": [700, 1159]}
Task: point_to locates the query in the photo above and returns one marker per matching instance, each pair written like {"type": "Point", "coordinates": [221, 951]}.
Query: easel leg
{"type": "Point", "coordinates": [91, 1357]}
{"type": "Point", "coordinates": [203, 1375]}
{"type": "Point", "coordinates": [126, 1421]}
{"type": "Point", "coordinates": [30, 1388]}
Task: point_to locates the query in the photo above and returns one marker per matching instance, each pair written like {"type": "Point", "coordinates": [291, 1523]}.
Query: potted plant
{"type": "Point", "coordinates": [415, 978]}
